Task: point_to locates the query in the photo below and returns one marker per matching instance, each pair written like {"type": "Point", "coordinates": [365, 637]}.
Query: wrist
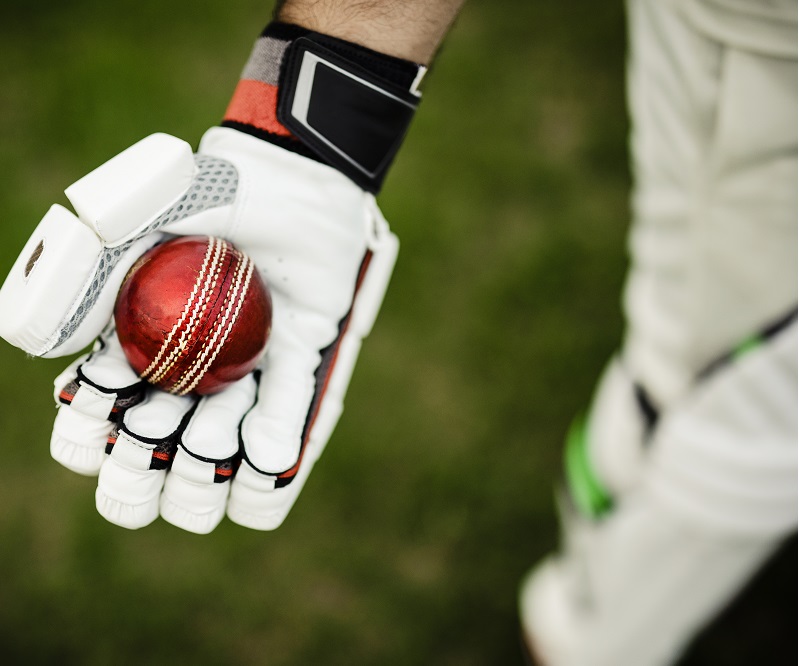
{"type": "Point", "coordinates": [328, 99]}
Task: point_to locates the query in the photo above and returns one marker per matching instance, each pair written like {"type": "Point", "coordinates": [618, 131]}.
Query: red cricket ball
{"type": "Point", "coordinates": [193, 315]}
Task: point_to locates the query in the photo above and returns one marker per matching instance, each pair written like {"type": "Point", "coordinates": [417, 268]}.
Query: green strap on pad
{"type": "Point", "coordinates": [589, 494]}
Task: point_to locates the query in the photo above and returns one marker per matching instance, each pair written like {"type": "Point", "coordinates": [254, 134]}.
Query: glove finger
{"type": "Point", "coordinates": [197, 486]}
{"type": "Point", "coordinates": [140, 449]}
{"type": "Point", "coordinates": [300, 398]}
{"type": "Point", "coordinates": [92, 394]}
{"type": "Point", "coordinates": [305, 376]}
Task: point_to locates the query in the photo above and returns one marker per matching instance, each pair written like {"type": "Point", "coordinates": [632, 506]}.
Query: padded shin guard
{"type": "Point", "coordinates": [633, 588]}
{"type": "Point", "coordinates": [697, 509]}
{"type": "Point", "coordinates": [725, 456]}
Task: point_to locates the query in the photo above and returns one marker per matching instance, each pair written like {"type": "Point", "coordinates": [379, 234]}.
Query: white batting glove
{"type": "Point", "coordinates": [321, 245]}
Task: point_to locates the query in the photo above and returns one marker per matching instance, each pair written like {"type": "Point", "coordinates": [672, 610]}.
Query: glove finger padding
{"type": "Point", "coordinates": [141, 450]}
{"type": "Point", "coordinates": [92, 395]}
{"type": "Point", "coordinates": [64, 283]}
{"type": "Point", "coordinates": [301, 393]}
{"type": "Point", "coordinates": [207, 457]}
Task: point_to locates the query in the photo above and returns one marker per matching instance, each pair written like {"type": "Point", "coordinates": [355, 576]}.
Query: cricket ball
{"type": "Point", "coordinates": [193, 315]}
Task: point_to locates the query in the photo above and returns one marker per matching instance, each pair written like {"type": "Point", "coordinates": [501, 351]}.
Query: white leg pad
{"type": "Point", "coordinates": [633, 589]}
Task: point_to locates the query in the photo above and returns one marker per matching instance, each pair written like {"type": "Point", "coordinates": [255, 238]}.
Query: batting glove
{"type": "Point", "coordinates": [290, 179]}
{"type": "Point", "coordinates": [321, 244]}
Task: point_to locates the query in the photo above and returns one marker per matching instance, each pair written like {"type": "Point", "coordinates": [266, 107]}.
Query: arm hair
{"type": "Point", "coordinates": [409, 29]}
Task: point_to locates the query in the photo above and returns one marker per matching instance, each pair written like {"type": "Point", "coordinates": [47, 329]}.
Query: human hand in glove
{"type": "Point", "coordinates": [307, 218]}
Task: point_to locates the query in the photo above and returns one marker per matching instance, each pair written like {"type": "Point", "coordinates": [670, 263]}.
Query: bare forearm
{"type": "Point", "coordinates": [409, 29]}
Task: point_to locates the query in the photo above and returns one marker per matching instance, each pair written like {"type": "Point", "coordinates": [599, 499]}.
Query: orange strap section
{"type": "Point", "coordinates": [255, 103]}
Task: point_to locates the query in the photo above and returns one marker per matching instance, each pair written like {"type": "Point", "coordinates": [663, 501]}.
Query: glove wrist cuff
{"type": "Point", "coordinates": [339, 103]}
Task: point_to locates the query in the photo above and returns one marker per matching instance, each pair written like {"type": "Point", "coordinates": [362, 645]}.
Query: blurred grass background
{"type": "Point", "coordinates": [434, 495]}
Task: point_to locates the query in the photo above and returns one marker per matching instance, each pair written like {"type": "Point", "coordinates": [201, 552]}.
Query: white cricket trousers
{"type": "Point", "coordinates": [700, 497]}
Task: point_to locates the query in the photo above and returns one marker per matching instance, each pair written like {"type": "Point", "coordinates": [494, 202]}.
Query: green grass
{"type": "Point", "coordinates": [434, 495]}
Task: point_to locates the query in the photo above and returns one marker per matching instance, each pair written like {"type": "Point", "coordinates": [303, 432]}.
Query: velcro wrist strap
{"type": "Point", "coordinates": [337, 102]}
